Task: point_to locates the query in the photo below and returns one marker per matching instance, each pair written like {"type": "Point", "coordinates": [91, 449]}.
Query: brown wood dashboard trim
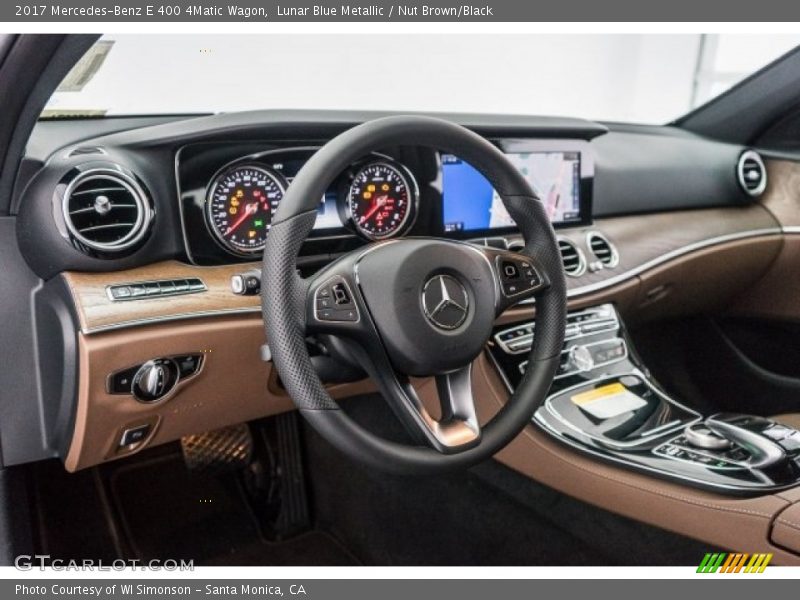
{"type": "Point", "coordinates": [644, 243]}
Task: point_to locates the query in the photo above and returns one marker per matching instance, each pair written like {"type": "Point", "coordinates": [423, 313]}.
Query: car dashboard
{"type": "Point", "coordinates": [146, 245]}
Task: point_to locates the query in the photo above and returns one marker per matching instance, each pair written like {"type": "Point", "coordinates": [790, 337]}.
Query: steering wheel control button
{"type": "Point", "coordinates": [334, 302]}
{"type": "Point", "coordinates": [517, 275]}
{"type": "Point", "coordinates": [134, 436]}
{"type": "Point", "coordinates": [155, 379]}
{"type": "Point", "coordinates": [445, 301]}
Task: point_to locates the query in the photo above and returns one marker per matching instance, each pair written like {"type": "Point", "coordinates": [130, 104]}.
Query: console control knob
{"type": "Point", "coordinates": [747, 433]}
{"type": "Point", "coordinates": [155, 379]}
{"type": "Point", "coordinates": [580, 357]}
{"type": "Point", "coordinates": [700, 436]}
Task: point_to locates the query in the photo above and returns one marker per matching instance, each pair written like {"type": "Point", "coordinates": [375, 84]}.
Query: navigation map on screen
{"type": "Point", "coordinates": [470, 202]}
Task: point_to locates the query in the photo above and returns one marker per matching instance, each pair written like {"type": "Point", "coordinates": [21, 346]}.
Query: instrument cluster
{"type": "Point", "coordinates": [376, 198]}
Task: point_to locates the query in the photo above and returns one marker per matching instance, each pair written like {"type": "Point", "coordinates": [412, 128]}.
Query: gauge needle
{"type": "Point", "coordinates": [249, 209]}
{"type": "Point", "coordinates": [379, 202]}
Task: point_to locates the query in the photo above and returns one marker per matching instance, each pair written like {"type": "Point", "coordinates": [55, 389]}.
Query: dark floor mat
{"type": "Point", "coordinates": [169, 512]}
{"type": "Point", "coordinates": [469, 517]}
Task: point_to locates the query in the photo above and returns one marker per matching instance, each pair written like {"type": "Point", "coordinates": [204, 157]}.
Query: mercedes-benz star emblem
{"type": "Point", "coordinates": [445, 301]}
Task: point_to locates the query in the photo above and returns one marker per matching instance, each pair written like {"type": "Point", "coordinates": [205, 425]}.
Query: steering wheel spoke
{"type": "Point", "coordinates": [457, 428]}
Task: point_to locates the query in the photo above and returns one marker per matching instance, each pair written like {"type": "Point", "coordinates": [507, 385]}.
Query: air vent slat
{"type": "Point", "coordinates": [91, 209]}
{"type": "Point", "coordinates": [106, 210]}
{"type": "Point", "coordinates": [602, 249]}
{"type": "Point", "coordinates": [571, 257]}
{"type": "Point", "coordinates": [99, 190]}
{"type": "Point", "coordinates": [751, 173]}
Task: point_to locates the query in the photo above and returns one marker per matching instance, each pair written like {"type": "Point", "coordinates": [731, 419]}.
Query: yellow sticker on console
{"type": "Point", "coordinates": [608, 401]}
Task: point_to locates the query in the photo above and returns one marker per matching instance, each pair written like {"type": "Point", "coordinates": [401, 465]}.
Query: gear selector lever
{"type": "Point", "coordinates": [763, 451]}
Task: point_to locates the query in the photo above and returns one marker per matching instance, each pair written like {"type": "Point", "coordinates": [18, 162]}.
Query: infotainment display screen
{"type": "Point", "coordinates": [471, 204]}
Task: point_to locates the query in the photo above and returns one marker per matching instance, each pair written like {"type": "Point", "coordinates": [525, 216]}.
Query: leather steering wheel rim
{"type": "Point", "coordinates": [285, 294]}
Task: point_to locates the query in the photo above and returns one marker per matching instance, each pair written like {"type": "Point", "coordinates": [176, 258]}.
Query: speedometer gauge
{"type": "Point", "coordinates": [240, 205]}
{"type": "Point", "coordinates": [382, 201]}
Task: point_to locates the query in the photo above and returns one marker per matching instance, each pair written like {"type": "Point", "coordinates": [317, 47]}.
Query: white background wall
{"type": "Point", "coordinates": [637, 78]}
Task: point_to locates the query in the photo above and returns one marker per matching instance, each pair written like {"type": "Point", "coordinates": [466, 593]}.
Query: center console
{"type": "Point", "coordinates": [604, 402]}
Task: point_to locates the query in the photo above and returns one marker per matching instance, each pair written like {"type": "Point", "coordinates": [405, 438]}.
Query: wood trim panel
{"type": "Point", "coordinates": [641, 241]}
{"type": "Point", "coordinates": [782, 195]}
{"type": "Point", "coordinates": [97, 312]}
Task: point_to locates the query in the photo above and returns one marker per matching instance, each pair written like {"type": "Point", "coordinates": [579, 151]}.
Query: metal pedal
{"type": "Point", "coordinates": [276, 484]}
{"type": "Point", "coordinates": [218, 451]}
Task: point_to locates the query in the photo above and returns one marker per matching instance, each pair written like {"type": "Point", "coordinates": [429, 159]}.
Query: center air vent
{"type": "Point", "coordinates": [572, 257]}
{"type": "Point", "coordinates": [602, 249]}
{"type": "Point", "coordinates": [752, 173]}
{"type": "Point", "coordinates": [106, 210]}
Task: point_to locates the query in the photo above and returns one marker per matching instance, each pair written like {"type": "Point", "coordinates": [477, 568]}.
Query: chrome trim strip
{"type": "Point", "coordinates": [168, 318]}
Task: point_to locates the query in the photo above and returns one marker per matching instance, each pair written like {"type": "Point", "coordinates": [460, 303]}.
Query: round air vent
{"type": "Point", "coordinates": [602, 249]}
{"type": "Point", "coordinates": [752, 173]}
{"type": "Point", "coordinates": [572, 257]}
{"type": "Point", "coordinates": [106, 210]}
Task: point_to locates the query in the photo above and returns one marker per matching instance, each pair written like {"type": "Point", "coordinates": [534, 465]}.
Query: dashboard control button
{"type": "Point", "coordinates": [166, 288]}
{"type": "Point", "coordinates": [137, 291]}
{"type": "Point", "coordinates": [196, 285]}
{"type": "Point", "coordinates": [791, 442]}
{"type": "Point", "coordinates": [152, 288]}
{"type": "Point", "coordinates": [188, 364]}
{"type": "Point", "coordinates": [121, 382]}
{"type": "Point", "coordinates": [121, 291]}
{"type": "Point", "coordinates": [134, 435]}
{"type": "Point", "coordinates": [324, 303]}
{"type": "Point", "coordinates": [778, 432]}
{"type": "Point", "coordinates": [155, 379]}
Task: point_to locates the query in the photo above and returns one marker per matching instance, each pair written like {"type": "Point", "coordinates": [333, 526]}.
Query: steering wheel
{"type": "Point", "coordinates": [421, 307]}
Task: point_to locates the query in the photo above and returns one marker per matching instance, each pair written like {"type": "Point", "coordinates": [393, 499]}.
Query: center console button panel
{"type": "Point", "coordinates": [604, 403]}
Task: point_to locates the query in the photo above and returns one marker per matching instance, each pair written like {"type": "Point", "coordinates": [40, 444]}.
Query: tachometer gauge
{"type": "Point", "coordinates": [382, 201]}
{"type": "Point", "coordinates": [240, 205]}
